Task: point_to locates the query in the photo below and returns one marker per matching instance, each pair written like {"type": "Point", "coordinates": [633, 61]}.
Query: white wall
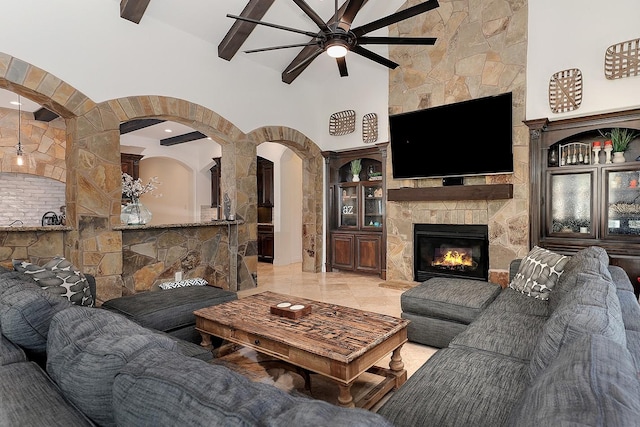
{"type": "Point", "coordinates": [107, 57]}
{"type": "Point", "coordinates": [575, 34]}
{"type": "Point", "coordinates": [287, 210]}
{"type": "Point", "coordinates": [195, 155]}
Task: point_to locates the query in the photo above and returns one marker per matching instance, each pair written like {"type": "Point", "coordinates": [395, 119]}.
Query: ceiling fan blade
{"type": "Point", "coordinates": [264, 49]}
{"type": "Point", "coordinates": [374, 57]}
{"type": "Point", "coordinates": [312, 14]}
{"type": "Point", "coordinates": [342, 66]}
{"type": "Point", "coordinates": [396, 17]}
{"type": "Point", "coordinates": [352, 9]}
{"type": "Point", "coordinates": [268, 24]}
{"type": "Point", "coordinates": [300, 62]}
{"type": "Point", "coordinates": [398, 40]}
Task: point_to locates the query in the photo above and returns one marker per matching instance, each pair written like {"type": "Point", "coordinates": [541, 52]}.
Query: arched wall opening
{"type": "Point", "coordinates": [93, 184]}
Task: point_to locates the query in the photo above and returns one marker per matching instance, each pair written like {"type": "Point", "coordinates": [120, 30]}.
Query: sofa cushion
{"type": "Point", "coordinates": [458, 387]}
{"type": "Point", "coordinates": [633, 345]}
{"type": "Point", "coordinates": [592, 382]}
{"type": "Point", "coordinates": [87, 347]}
{"type": "Point", "coordinates": [512, 301]}
{"type": "Point", "coordinates": [150, 391]}
{"type": "Point", "coordinates": [538, 272]}
{"type": "Point", "coordinates": [620, 278]}
{"type": "Point", "coordinates": [505, 333]}
{"type": "Point", "coordinates": [461, 300]}
{"type": "Point", "coordinates": [30, 398]}
{"type": "Point", "coordinates": [593, 259]}
{"type": "Point", "coordinates": [630, 310]}
{"type": "Point", "coordinates": [171, 309]}
{"type": "Point", "coordinates": [10, 353]}
{"type": "Point", "coordinates": [60, 277]}
{"type": "Point", "coordinates": [26, 311]}
{"type": "Point", "coordinates": [591, 308]}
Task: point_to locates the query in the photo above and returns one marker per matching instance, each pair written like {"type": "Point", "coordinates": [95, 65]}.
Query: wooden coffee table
{"type": "Point", "coordinates": [337, 342]}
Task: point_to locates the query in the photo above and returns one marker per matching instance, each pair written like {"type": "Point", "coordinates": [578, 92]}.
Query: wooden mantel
{"type": "Point", "coordinates": [454, 192]}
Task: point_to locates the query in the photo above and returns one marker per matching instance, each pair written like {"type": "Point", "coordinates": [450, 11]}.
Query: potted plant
{"type": "Point", "coordinates": [356, 167]}
{"type": "Point", "coordinates": [620, 139]}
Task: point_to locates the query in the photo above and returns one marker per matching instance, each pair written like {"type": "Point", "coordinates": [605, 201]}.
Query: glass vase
{"type": "Point", "coordinates": [135, 213]}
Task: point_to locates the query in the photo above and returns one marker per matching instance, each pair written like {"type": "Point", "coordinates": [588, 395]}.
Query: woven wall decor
{"type": "Point", "coordinates": [342, 122]}
{"type": "Point", "coordinates": [622, 60]}
{"type": "Point", "coordinates": [370, 128]}
{"type": "Point", "coordinates": [565, 90]}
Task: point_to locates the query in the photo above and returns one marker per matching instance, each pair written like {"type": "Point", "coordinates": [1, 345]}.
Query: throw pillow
{"type": "Point", "coordinates": [182, 283]}
{"type": "Point", "coordinates": [538, 273]}
{"type": "Point", "coordinates": [60, 277]}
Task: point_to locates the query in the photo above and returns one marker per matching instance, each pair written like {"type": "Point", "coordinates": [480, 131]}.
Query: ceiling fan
{"type": "Point", "coordinates": [336, 37]}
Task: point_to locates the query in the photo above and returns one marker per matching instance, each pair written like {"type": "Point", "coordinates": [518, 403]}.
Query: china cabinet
{"type": "Point", "coordinates": [356, 211]}
{"type": "Point", "coordinates": [580, 196]}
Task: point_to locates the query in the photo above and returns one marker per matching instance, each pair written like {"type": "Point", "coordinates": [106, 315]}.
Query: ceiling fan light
{"type": "Point", "coordinates": [337, 50]}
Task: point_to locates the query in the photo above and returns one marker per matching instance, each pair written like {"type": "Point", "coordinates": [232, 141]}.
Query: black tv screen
{"type": "Point", "coordinates": [462, 139]}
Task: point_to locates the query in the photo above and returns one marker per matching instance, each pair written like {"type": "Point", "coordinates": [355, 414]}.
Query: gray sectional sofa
{"type": "Point", "coordinates": [66, 365]}
{"type": "Point", "coordinates": [573, 359]}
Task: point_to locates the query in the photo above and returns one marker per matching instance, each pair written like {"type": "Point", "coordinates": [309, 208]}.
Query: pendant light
{"type": "Point", "coordinates": [19, 151]}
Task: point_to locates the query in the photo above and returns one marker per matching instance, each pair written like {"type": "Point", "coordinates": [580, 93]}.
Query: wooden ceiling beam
{"type": "Point", "coordinates": [44, 115]}
{"type": "Point", "coordinates": [240, 30]}
{"type": "Point", "coordinates": [132, 125]}
{"type": "Point", "coordinates": [179, 139]}
{"type": "Point", "coordinates": [132, 10]}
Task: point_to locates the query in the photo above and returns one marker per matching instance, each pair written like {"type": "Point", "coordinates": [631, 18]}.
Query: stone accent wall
{"type": "Point", "coordinates": [43, 144]}
{"type": "Point", "coordinates": [480, 51]}
{"type": "Point", "coordinates": [153, 256]}
{"type": "Point", "coordinates": [38, 247]}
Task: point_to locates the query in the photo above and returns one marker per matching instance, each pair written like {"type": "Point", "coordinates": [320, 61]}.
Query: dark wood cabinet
{"type": "Point", "coordinates": [265, 243]}
{"type": "Point", "coordinates": [216, 177]}
{"type": "Point", "coordinates": [130, 164]}
{"type": "Point", "coordinates": [265, 182]}
{"type": "Point", "coordinates": [356, 210]}
{"type": "Point", "coordinates": [576, 201]}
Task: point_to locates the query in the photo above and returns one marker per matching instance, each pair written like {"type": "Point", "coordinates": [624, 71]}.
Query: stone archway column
{"type": "Point", "coordinates": [239, 185]}
{"type": "Point", "coordinates": [312, 218]}
{"type": "Point", "coordinates": [93, 198]}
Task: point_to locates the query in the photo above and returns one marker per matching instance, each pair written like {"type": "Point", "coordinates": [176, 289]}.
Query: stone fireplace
{"type": "Point", "coordinates": [450, 250]}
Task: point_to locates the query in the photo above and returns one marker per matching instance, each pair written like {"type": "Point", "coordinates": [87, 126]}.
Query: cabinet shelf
{"type": "Point", "coordinates": [356, 233]}
{"type": "Point", "coordinates": [580, 205]}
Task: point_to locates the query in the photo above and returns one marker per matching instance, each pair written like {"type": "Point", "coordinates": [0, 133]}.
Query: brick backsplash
{"type": "Point", "coordinates": [28, 197]}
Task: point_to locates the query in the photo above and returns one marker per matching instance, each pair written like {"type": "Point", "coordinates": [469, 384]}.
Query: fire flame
{"type": "Point", "coordinates": [454, 258]}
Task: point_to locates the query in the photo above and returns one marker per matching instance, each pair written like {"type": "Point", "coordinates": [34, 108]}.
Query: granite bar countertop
{"type": "Point", "coordinates": [212, 223]}
{"type": "Point", "coordinates": [37, 228]}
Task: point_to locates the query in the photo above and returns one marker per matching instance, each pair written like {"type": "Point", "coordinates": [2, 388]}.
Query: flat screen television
{"type": "Point", "coordinates": [466, 138]}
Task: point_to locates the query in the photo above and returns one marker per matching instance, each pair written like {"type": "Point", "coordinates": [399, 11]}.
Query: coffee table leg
{"type": "Point", "coordinates": [396, 364]}
{"type": "Point", "coordinates": [206, 340]}
{"type": "Point", "coordinates": [345, 398]}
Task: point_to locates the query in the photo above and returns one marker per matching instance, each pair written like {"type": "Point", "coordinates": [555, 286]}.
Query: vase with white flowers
{"type": "Point", "coordinates": [135, 213]}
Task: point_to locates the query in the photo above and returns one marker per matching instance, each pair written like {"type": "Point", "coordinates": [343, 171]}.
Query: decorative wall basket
{"type": "Point", "coordinates": [370, 128]}
{"type": "Point", "coordinates": [342, 123]}
{"type": "Point", "coordinates": [622, 60]}
{"type": "Point", "coordinates": [565, 90]}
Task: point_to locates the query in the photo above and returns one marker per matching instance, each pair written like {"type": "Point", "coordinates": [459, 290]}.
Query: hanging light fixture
{"type": "Point", "coordinates": [19, 151]}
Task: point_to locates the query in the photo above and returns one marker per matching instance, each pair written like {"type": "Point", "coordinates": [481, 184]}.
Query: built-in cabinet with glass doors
{"type": "Point", "coordinates": [356, 238]}
{"type": "Point", "coordinates": [579, 196]}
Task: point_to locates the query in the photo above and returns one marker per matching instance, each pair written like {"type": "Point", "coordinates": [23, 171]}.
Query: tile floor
{"type": "Point", "coordinates": [348, 289]}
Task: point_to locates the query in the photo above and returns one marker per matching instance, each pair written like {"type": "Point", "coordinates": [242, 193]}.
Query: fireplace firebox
{"type": "Point", "coordinates": [450, 250]}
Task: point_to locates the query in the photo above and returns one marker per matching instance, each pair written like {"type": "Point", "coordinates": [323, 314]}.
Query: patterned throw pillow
{"type": "Point", "coordinates": [60, 277]}
{"type": "Point", "coordinates": [183, 283]}
{"type": "Point", "coordinates": [538, 273]}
